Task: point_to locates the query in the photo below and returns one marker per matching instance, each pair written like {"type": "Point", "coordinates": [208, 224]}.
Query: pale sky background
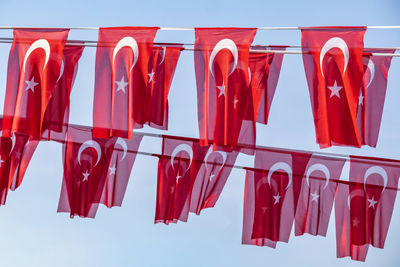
{"type": "Point", "coordinates": [34, 234]}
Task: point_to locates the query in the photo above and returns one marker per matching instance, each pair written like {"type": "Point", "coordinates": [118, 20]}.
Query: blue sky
{"type": "Point", "coordinates": [33, 234]}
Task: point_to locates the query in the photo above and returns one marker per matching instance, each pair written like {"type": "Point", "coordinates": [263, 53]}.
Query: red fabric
{"type": "Point", "coordinates": [317, 195]}
{"type": "Point", "coordinates": [372, 198]}
{"type": "Point", "coordinates": [333, 64]}
{"type": "Point", "coordinates": [223, 93]}
{"type": "Point", "coordinates": [264, 69]}
{"type": "Point", "coordinates": [57, 112]}
{"type": "Point", "coordinates": [162, 67]}
{"type": "Point", "coordinates": [372, 95]}
{"type": "Point", "coordinates": [344, 247]}
{"type": "Point", "coordinates": [119, 170]}
{"type": "Point", "coordinates": [121, 79]}
{"type": "Point", "coordinates": [86, 163]}
{"type": "Point", "coordinates": [33, 68]}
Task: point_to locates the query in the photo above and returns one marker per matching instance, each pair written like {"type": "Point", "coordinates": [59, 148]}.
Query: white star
{"type": "Point", "coordinates": [360, 99]}
{"type": "Point", "coordinates": [314, 196]}
{"type": "Point", "coordinates": [372, 202]}
{"type": "Point", "coordinates": [17, 155]}
{"type": "Point", "coordinates": [121, 85]}
{"type": "Point", "coordinates": [211, 177]}
{"type": "Point", "coordinates": [151, 75]}
{"type": "Point", "coordinates": [235, 101]}
{"type": "Point", "coordinates": [85, 176]}
{"type": "Point", "coordinates": [1, 162]}
{"type": "Point", "coordinates": [277, 197]}
{"type": "Point", "coordinates": [335, 89]}
{"type": "Point", "coordinates": [112, 169]}
{"type": "Point", "coordinates": [30, 85]}
{"type": "Point", "coordinates": [221, 89]}
{"type": "Point", "coordinates": [355, 222]}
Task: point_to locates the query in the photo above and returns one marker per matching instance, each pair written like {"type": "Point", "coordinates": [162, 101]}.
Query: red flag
{"type": "Point", "coordinates": [86, 162]}
{"type": "Point", "coordinates": [33, 67]}
{"type": "Point", "coordinates": [57, 112]}
{"type": "Point", "coordinates": [162, 67]}
{"type": "Point", "coordinates": [372, 95]}
{"type": "Point", "coordinates": [332, 59]}
{"type": "Point", "coordinates": [177, 167]}
{"type": "Point", "coordinates": [211, 179]}
{"type": "Point", "coordinates": [122, 59]}
{"type": "Point", "coordinates": [372, 197]}
{"type": "Point", "coordinates": [119, 170]}
{"type": "Point", "coordinates": [264, 69]}
{"type": "Point", "coordinates": [223, 93]}
{"type": "Point", "coordinates": [344, 247]}
{"type": "Point", "coordinates": [317, 195]}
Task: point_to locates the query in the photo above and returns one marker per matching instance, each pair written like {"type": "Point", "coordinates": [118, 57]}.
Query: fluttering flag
{"type": "Point", "coordinates": [56, 117]}
{"type": "Point", "coordinates": [224, 97]}
{"type": "Point", "coordinates": [122, 158]}
{"type": "Point", "coordinates": [317, 195]}
{"type": "Point", "coordinates": [334, 70]}
{"type": "Point", "coordinates": [264, 69]}
{"type": "Point", "coordinates": [372, 95]}
{"type": "Point", "coordinates": [121, 79]}
{"type": "Point", "coordinates": [15, 154]}
{"type": "Point", "coordinates": [372, 196]}
{"type": "Point", "coordinates": [344, 246]}
{"type": "Point", "coordinates": [86, 166]}
{"type": "Point", "coordinates": [34, 65]}
{"type": "Point", "coordinates": [162, 65]}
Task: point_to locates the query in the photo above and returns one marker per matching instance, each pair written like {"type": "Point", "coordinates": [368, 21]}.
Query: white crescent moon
{"type": "Point", "coordinates": [61, 71]}
{"type": "Point", "coordinates": [331, 43]}
{"type": "Point", "coordinates": [231, 46]}
{"type": "Point", "coordinates": [129, 42]}
{"type": "Point", "coordinates": [179, 148]}
{"type": "Point", "coordinates": [222, 153]}
{"type": "Point", "coordinates": [163, 55]}
{"type": "Point", "coordinates": [320, 167]}
{"type": "Point", "coordinates": [41, 43]}
{"type": "Point", "coordinates": [87, 144]}
{"type": "Point", "coordinates": [377, 170]}
{"type": "Point", "coordinates": [249, 75]}
{"type": "Point", "coordinates": [371, 67]}
{"type": "Point", "coordinates": [280, 166]}
{"type": "Point", "coordinates": [357, 192]}
{"type": "Point", "coordinates": [124, 146]}
{"type": "Point", "coordinates": [13, 141]}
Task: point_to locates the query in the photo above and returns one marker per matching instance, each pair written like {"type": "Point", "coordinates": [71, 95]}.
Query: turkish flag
{"type": "Point", "coordinates": [57, 112]}
{"type": "Point", "coordinates": [34, 64]}
{"type": "Point", "coordinates": [15, 154]}
{"type": "Point", "coordinates": [264, 69]}
{"type": "Point", "coordinates": [317, 195]}
{"type": "Point", "coordinates": [372, 196]}
{"type": "Point", "coordinates": [178, 167]}
{"type": "Point", "coordinates": [333, 65]}
{"type": "Point", "coordinates": [121, 79]}
{"type": "Point", "coordinates": [211, 179]}
{"type": "Point", "coordinates": [344, 247]}
{"type": "Point", "coordinates": [121, 163]}
{"type": "Point", "coordinates": [223, 94]}
{"type": "Point", "coordinates": [162, 65]}
{"type": "Point", "coordinates": [372, 95]}
{"type": "Point", "coordinates": [86, 165]}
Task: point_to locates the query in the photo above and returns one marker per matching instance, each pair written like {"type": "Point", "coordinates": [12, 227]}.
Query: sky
{"type": "Point", "coordinates": [34, 234]}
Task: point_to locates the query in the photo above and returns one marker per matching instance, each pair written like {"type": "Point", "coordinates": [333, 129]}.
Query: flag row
{"type": "Point", "coordinates": [284, 188]}
{"type": "Point", "coordinates": [235, 86]}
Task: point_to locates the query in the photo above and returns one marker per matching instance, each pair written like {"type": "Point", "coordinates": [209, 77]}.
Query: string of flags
{"type": "Point", "coordinates": [235, 89]}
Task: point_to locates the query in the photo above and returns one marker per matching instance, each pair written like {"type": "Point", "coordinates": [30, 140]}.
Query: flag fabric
{"type": "Point", "coordinates": [122, 158]}
{"type": "Point", "coordinates": [343, 224]}
{"type": "Point", "coordinates": [57, 113]}
{"type": "Point", "coordinates": [372, 95]}
{"type": "Point", "coordinates": [34, 64]}
{"type": "Point", "coordinates": [317, 195]}
{"type": "Point", "coordinates": [121, 79]}
{"type": "Point", "coordinates": [264, 69]}
{"type": "Point", "coordinates": [372, 196]}
{"type": "Point", "coordinates": [162, 65]}
{"type": "Point", "coordinates": [224, 97]}
{"type": "Point", "coordinates": [86, 165]}
{"type": "Point", "coordinates": [334, 70]}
